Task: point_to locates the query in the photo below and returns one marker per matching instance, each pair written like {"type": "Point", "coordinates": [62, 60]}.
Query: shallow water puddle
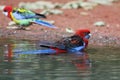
{"type": "Point", "coordinates": [96, 64]}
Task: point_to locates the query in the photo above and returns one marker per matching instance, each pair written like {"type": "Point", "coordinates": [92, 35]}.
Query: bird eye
{"type": "Point", "coordinates": [5, 10]}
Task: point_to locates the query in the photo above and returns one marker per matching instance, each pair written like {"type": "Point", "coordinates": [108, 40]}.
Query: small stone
{"type": "Point", "coordinates": [45, 31]}
{"type": "Point", "coordinates": [102, 2]}
{"type": "Point", "coordinates": [88, 5]}
{"type": "Point", "coordinates": [72, 5]}
{"type": "Point", "coordinates": [54, 11]}
{"type": "Point", "coordinates": [99, 23]}
{"type": "Point", "coordinates": [1, 7]}
{"type": "Point", "coordinates": [27, 28]}
{"type": "Point", "coordinates": [69, 30]}
{"type": "Point", "coordinates": [58, 5]}
{"type": "Point", "coordinates": [12, 27]}
{"type": "Point", "coordinates": [15, 32]}
{"type": "Point", "coordinates": [11, 23]}
{"type": "Point", "coordinates": [84, 13]}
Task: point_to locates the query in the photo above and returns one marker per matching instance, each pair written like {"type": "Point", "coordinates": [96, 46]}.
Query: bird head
{"type": "Point", "coordinates": [7, 10]}
{"type": "Point", "coordinates": [84, 33]}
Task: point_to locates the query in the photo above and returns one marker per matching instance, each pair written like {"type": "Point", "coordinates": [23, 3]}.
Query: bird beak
{"type": "Point", "coordinates": [88, 36]}
{"type": "Point", "coordinates": [5, 13]}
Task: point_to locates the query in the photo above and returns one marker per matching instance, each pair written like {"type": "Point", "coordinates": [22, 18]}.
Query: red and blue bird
{"type": "Point", "coordinates": [73, 44]}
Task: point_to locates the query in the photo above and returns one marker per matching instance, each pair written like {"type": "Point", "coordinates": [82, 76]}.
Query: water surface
{"type": "Point", "coordinates": [95, 64]}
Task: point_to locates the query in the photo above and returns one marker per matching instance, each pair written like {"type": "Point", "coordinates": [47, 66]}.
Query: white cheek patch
{"type": "Point", "coordinates": [5, 13]}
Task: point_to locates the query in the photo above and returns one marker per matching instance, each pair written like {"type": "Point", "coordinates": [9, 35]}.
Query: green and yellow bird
{"type": "Point", "coordinates": [25, 17]}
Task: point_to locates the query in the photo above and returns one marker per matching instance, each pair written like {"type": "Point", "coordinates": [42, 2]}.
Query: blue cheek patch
{"type": "Point", "coordinates": [87, 36]}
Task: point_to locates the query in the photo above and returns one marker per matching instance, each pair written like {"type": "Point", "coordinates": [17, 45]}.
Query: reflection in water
{"type": "Point", "coordinates": [82, 62]}
{"type": "Point", "coordinates": [103, 66]}
{"type": "Point", "coordinates": [41, 67]}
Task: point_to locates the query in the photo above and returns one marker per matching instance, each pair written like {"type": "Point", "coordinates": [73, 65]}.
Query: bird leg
{"type": "Point", "coordinates": [20, 27]}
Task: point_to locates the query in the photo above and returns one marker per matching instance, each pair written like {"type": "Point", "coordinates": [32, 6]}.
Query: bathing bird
{"type": "Point", "coordinates": [78, 39]}
{"type": "Point", "coordinates": [24, 17]}
{"type": "Point", "coordinates": [75, 43]}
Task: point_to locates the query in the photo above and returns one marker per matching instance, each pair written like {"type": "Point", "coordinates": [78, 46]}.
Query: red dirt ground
{"type": "Point", "coordinates": [101, 36]}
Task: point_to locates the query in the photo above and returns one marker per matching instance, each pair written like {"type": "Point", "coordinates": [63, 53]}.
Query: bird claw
{"type": "Point", "coordinates": [21, 28]}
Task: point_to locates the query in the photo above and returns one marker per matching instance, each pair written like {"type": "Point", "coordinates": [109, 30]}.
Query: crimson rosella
{"type": "Point", "coordinates": [74, 43]}
{"type": "Point", "coordinates": [24, 17]}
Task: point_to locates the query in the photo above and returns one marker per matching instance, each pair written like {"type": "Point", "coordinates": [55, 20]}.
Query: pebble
{"type": "Point", "coordinates": [11, 23]}
{"type": "Point", "coordinates": [54, 11]}
{"type": "Point", "coordinates": [1, 7]}
{"type": "Point", "coordinates": [72, 5]}
{"type": "Point", "coordinates": [99, 23]}
{"type": "Point", "coordinates": [103, 2]}
{"type": "Point", "coordinates": [84, 13]}
{"type": "Point", "coordinates": [88, 5]}
{"type": "Point", "coordinates": [69, 30]}
{"type": "Point", "coordinates": [12, 27]}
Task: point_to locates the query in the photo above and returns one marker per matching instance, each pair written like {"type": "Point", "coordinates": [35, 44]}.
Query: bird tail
{"type": "Point", "coordinates": [45, 51]}
{"type": "Point", "coordinates": [44, 23]}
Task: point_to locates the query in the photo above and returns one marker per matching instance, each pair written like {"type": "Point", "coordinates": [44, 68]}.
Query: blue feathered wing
{"type": "Point", "coordinates": [44, 23]}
